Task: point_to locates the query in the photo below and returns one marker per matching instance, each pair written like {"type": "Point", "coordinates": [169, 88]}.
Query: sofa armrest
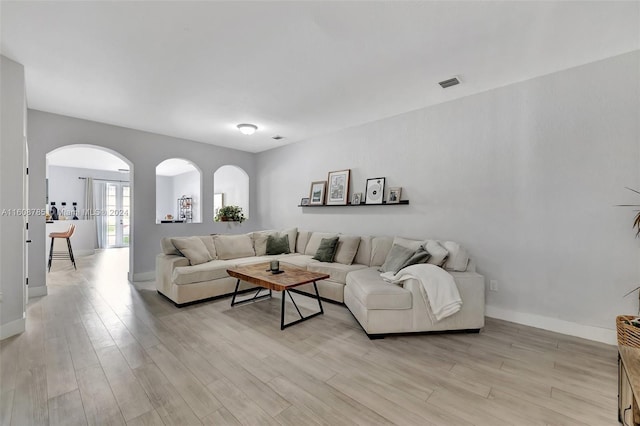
{"type": "Point", "coordinates": [165, 264]}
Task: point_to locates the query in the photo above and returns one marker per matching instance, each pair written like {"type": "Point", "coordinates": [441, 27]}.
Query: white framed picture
{"type": "Point", "coordinates": [338, 192]}
{"type": "Point", "coordinates": [394, 195]}
{"type": "Point", "coordinates": [375, 190]}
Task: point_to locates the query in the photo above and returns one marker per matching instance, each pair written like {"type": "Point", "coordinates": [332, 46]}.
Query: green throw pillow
{"type": "Point", "coordinates": [420, 256]}
{"type": "Point", "coordinates": [398, 256]}
{"type": "Point", "coordinates": [327, 250]}
{"type": "Point", "coordinates": [278, 245]}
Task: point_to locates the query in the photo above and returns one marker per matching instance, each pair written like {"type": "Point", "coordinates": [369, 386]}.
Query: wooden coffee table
{"type": "Point", "coordinates": [260, 275]}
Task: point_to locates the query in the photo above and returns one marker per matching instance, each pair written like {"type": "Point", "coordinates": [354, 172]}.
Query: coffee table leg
{"type": "Point", "coordinates": [250, 299]}
{"type": "Point", "coordinates": [235, 292]}
{"type": "Point", "coordinates": [302, 318]}
{"type": "Point", "coordinates": [315, 286]}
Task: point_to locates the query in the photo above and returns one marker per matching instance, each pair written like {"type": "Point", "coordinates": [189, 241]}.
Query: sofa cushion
{"type": "Point", "coordinates": [302, 240]}
{"type": "Point", "coordinates": [363, 256]}
{"type": "Point", "coordinates": [314, 242]}
{"type": "Point", "coordinates": [168, 247]}
{"type": "Point", "coordinates": [298, 260]}
{"type": "Point", "coordinates": [208, 242]}
{"type": "Point", "coordinates": [260, 241]}
{"type": "Point", "coordinates": [458, 258]}
{"type": "Point", "coordinates": [347, 249]}
{"type": "Point", "coordinates": [327, 250]}
{"type": "Point", "coordinates": [337, 271]}
{"type": "Point", "coordinates": [277, 244]}
{"type": "Point", "coordinates": [233, 246]}
{"type": "Point", "coordinates": [398, 256]}
{"type": "Point", "coordinates": [375, 293]}
{"type": "Point", "coordinates": [213, 270]}
{"type": "Point", "coordinates": [292, 233]}
{"type": "Point", "coordinates": [438, 253]}
{"type": "Point", "coordinates": [380, 247]}
{"type": "Point", "coordinates": [192, 248]}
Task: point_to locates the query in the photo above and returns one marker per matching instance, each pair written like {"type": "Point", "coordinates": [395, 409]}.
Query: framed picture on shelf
{"type": "Point", "coordinates": [338, 193]}
{"type": "Point", "coordinates": [304, 202]}
{"type": "Point", "coordinates": [375, 190]}
{"type": "Point", "coordinates": [316, 194]}
{"type": "Point", "coordinates": [394, 195]}
{"type": "Point", "coordinates": [356, 198]}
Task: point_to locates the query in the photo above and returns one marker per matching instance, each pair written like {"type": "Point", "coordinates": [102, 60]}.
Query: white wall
{"type": "Point", "coordinates": [526, 176]}
{"type": "Point", "coordinates": [233, 183]}
{"type": "Point", "coordinates": [189, 184]}
{"type": "Point", "coordinates": [144, 150]}
{"type": "Point", "coordinates": [12, 170]}
{"type": "Point", "coordinates": [165, 204]}
{"type": "Point", "coordinates": [65, 185]}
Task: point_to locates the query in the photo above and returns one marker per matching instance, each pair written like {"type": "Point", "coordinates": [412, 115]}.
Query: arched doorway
{"type": "Point", "coordinates": [91, 187]}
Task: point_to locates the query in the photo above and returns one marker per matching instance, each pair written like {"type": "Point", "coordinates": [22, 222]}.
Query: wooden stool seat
{"type": "Point", "coordinates": [66, 255]}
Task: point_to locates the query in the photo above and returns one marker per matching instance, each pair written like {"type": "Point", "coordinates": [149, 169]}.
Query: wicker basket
{"type": "Point", "coordinates": [628, 335]}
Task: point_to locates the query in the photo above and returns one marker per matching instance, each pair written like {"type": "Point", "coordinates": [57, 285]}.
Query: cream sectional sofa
{"type": "Point", "coordinates": [381, 308]}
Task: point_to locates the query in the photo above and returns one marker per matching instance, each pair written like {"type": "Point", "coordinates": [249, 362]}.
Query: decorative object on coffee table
{"type": "Point", "coordinates": [304, 202]}
{"type": "Point", "coordinates": [338, 193]}
{"type": "Point", "coordinates": [394, 195]}
{"type": "Point", "coordinates": [375, 190]}
{"type": "Point", "coordinates": [356, 198]}
{"type": "Point", "coordinates": [316, 194]}
{"type": "Point", "coordinates": [230, 214]}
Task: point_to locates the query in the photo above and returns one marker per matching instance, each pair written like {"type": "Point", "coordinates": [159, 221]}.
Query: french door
{"type": "Point", "coordinates": [118, 209]}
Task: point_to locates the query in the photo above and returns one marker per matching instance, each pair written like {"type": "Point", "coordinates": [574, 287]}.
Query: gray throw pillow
{"type": "Point", "coordinates": [278, 245]}
{"type": "Point", "coordinates": [420, 256]}
{"type": "Point", "coordinates": [397, 257]}
{"type": "Point", "coordinates": [327, 250]}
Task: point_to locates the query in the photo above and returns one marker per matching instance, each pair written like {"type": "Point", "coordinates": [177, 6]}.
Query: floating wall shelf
{"type": "Point", "coordinates": [401, 203]}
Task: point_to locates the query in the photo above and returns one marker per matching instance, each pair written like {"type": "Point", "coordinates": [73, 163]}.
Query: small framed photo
{"type": "Point", "coordinates": [356, 198]}
{"type": "Point", "coordinates": [394, 195]}
{"type": "Point", "coordinates": [304, 202]}
{"type": "Point", "coordinates": [338, 193]}
{"type": "Point", "coordinates": [316, 195]}
{"type": "Point", "coordinates": [375, 190]}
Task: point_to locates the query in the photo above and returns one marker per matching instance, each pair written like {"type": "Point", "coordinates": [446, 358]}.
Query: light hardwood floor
{"type": "Point", "coordinates": [99, 350]}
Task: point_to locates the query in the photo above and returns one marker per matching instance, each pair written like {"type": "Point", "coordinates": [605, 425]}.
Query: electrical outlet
{"type": "Point", "coordinates": [493, 285]}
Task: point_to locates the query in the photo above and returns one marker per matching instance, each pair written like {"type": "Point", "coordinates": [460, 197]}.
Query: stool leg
{"type": "Point", "coordinates": [50, 255]}
{"type": "Point", "coordinates": [73, 260]}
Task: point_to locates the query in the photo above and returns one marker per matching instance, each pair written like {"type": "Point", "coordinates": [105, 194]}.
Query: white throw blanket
{"type": "Point", "coordinates": [438, 288]}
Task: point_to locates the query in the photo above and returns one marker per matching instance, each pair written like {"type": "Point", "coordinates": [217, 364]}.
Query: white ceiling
{"type": "Point", "coordinates": [174, 167]}
{"type": "Point", "coordinates": [86, 158]}
{"type": "Point", "coordinates": [299, 69]}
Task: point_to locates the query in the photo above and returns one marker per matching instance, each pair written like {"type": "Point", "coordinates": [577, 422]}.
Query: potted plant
{"type": "Point", "coordinates": [230, 214]}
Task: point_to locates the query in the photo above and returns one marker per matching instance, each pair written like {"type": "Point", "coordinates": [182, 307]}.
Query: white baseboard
{"type": "Point", "coordinates": [89, 252]}
{"type": "Point", "coordinates": [144, 276]}
{"type": "Point", "coordinates": [12, 328]}
{"type": "Point", "coordinates": [597, 334]}
{"type": "Point", "coordinates": [38, 291]}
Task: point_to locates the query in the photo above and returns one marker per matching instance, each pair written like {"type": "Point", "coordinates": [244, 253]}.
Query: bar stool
{"type": "Point", "coordinates": [60, 254]}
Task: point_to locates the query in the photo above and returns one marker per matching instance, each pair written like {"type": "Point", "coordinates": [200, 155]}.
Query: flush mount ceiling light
{"type": "Point", "coordinates": [247, 129]}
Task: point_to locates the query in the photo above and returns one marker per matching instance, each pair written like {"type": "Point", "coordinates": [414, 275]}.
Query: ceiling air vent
{"type": "Point", "coordinates": [450, 82]}
{"type": "Point", "coordinates": [277, 137]}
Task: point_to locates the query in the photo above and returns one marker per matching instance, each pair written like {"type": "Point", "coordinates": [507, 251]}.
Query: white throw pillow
{"type": "Point", "coordinates": [380, 247]}
{"type": "Point", "coordinates": [438, 253]}
{"type": "Point", "coordinates": [168, 247]}
{"type": "Point", "coordinates": [193, 249]}
{"type": "Point", "coordinates": [458, 258]}
{"type": "Point", "coordinates": [260, 241]}
{"type": "Point", "coordinates": [302, 240]}
{"type": "Point", "coordinates": [233, 246]}
{"type": "Point", "coordinates": [347, 249]}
